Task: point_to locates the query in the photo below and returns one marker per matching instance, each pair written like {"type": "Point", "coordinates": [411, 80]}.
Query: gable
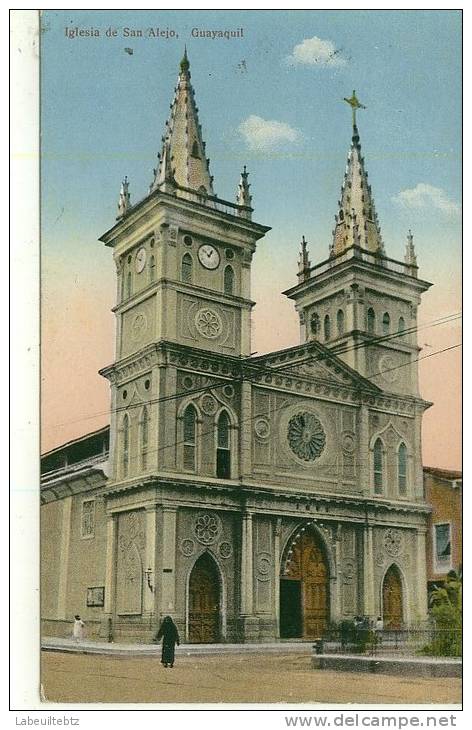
{"type": "Point", "coordinates": [316, 362]}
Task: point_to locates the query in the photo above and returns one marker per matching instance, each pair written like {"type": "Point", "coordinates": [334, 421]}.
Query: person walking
{"type": "Point", "coordinates": [170, 637]}
{"type": "Point", "coordinates": [78, 630]}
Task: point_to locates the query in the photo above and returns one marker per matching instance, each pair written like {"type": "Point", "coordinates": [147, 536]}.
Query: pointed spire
{"type": "Point", "coordinates": [183, 148]}
{"type": "Point", "coordinates": [304, 263]}
{"type": "Point", "coordinates": [124, 200]}
{"type": "Point", "coordinates": [356, 221]}
{"type": "Point", "coordinates": [410, 254]}
{"type": "Point", "coordinates": [243, 197]}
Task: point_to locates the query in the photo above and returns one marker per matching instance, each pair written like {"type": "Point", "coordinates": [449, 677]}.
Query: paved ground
{"type": "Point", "coordinates": [236, 678]}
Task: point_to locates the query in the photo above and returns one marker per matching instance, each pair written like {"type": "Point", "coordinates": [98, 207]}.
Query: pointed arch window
{"type": "Point", "coordinates": [125, 454]}
{"type": "Point", "coordinates": [340, 321]}
{"type": "Point", "coordinates": [327, 327]}
{"type": "Point", "coordinates": [223, 447]}
{"type": "Point", "coordinates": [401, 325]}
{"type": "Point", "coordinates": [144, 438]}
{"type": "Point", "coordinates": [386, 324]}
{"type": "Point", "coordinates": [190, 438]}
{"type": "Point", "coordinates": [152, 268]}
{"type": "Point", "coordinates": [402, 469]}
{"type": "Point", "coordinates": [129, 284]}
{"type": "Point", "coordinates": [187, 269]}
{"type": "Point", "coordinates": [228, 283]}
{"type": "Point", "coordinates": [370, 321]}
{"type": "Point", "coordinates": [378, 467]}
{"type": "Point", "coordinates": [195, 150]}
{"type": "Point", "coordinates": [315, 325]}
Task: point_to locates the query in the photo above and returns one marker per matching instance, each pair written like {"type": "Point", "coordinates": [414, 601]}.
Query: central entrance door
{"type": "Point", "coordinates": [392, 596]}
{"type": "Point", "coordinates": [204, 602]}
{"type": "Point", "coordinates": [304, 589]}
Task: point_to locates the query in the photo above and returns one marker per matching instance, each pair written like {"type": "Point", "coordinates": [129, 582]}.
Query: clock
{"type": "Point", "coordinates": [208, 256]}
{"type": "Point", "coordinates": [140, 261]}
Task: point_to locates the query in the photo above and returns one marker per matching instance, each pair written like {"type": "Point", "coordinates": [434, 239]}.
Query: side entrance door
{"type": "Point", "coordinates": [204, 602]}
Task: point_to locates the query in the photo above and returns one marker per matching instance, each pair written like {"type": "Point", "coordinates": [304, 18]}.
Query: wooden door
{"type": "Point", "coordinates": [204, 602]}
{"type": "Point", "coordinates": [308, 565]}
{"type": "Point", "coordinates": [392, 599]}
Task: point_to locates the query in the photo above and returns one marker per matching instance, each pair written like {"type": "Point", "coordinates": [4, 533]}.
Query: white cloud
{"type": "Point", "coordinates": [316, 52]}
{"type": "Point", "coordinates": [426, 196]}
{"type": "Point", "coordinates": [264, 134]}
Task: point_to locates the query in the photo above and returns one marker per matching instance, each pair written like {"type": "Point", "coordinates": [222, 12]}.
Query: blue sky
{"type": "Point", "coordinates": [104, 111]}
{"type": "Point", "coordinates": [271, 100]}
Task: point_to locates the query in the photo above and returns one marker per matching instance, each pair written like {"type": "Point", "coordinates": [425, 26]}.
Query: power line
{"type": "Point", "coordinates": [274, 410]}
{"type": "Point", "coordinates": [268, 370]}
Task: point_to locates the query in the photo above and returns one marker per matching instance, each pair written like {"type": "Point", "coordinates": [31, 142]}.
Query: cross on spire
{"type": "Point", "coordinates": [355, 104]}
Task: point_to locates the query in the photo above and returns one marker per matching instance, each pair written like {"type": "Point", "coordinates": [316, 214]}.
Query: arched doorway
{"type": "Point", "coordinates": [204, 602]}
{"type": "Point", "coordinates": [392, 599]}
{"type": "Point", "coordinates": [304, 589]}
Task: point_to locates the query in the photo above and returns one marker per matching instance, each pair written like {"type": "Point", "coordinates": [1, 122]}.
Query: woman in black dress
{"type": "Point", "coordinates": [170, 637]}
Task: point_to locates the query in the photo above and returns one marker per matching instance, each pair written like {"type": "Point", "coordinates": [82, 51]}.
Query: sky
{"type": "Point", "coordinates": [271, 99]}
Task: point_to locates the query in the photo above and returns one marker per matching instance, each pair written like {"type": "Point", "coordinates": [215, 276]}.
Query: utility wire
{"type": "Point", "coordinates": [278, 408]}
{"type": "Point", "coordinates": [269, 370]}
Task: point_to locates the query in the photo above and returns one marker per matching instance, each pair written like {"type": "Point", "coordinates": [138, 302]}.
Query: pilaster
{"type": "Point", "coordinates": [64, 558]}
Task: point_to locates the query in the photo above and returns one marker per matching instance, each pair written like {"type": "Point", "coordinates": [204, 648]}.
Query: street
{"type": "Point", "coordinates": [233, 678]}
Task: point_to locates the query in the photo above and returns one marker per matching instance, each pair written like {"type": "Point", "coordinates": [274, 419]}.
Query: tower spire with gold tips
{"type": "Point", "coordinates": [183, 148]}
{"type": "Point", "coordinates": [357, 223]}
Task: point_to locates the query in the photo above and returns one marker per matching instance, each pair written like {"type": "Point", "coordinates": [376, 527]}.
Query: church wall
{"type": "Point", "coordinates": [86, 567]}
{"type": "Point", "coordinates": [273, 458]}
{"type": "Point", "coordinates": [51, 531]}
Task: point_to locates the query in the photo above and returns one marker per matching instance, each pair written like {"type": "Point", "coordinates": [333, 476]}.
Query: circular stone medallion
{"type": "Point", "coordinates": [208, 323]}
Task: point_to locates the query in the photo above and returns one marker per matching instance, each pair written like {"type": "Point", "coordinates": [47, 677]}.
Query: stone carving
{"type": "Point", "coordinates": [393, 542]}
{"type": "Point", "coordinates": [306, 436]}
{"type": "Point", "coordinates": [349, 570]}
{"type": "Point", "coordinates": [225, 550]}
{"type": "Point", "coordinates": [387, 368]}
{"type": "Point", "coordinates": [187, 382]}
{"type": "Point", "coordinates": [139, 326]}
{"type": "Point", "coordinates": [207, 528]}
{"type": "Point", "coordinates": [129, 563]}
{"type": "Point", "coordinates": [187, 547]}
{"type": "Point", "coordinates": [348, 443]}
{"type": "Point", "coordinates": [262, 427]}
{"type": "Point", "coordinates": [208, 404]}
{"type": "Point", "coordinates": [208, 323]}
{"type": "Point", "coordinates": [228, 391]}
{"type": "Point", "coordinates": [263, 565]}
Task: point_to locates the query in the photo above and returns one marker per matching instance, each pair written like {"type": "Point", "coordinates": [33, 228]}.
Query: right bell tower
{"type": "Point", "coordinates": [360, 303]}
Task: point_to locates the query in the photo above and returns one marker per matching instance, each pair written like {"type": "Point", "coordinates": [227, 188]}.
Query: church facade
{"type": "Point", "coordinates": [251, 498]}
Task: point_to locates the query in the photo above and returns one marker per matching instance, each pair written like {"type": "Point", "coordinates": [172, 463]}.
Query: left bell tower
{"type": "Point", "coordinates": [183, 261]}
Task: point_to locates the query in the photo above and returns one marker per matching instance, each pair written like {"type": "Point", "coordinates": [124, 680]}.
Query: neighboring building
{"type": "Point", "coordinates": [443, 491]}
{"type": "Point", "coordinates": [250, 497]}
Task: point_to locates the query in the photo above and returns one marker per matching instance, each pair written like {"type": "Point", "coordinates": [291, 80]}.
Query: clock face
{"type": "Point", "coordinates": [140, 261]}
{"type": "Point", "coordinates": [208, 256]}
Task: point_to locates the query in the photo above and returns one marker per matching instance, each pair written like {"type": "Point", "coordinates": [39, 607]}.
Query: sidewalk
{"type": "Point", "coordinates": [87, 646]}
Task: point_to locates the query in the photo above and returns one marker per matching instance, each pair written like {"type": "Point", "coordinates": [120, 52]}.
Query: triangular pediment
{"type": "Point", "coordinates": [315, 362]}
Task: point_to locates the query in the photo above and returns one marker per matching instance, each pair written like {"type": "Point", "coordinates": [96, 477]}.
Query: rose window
{"type": "Point", "coordinates": [208, 323]}
{"type": "Point", "coordinates": [393, 542]}
{"type": "Point", "coordinates": [306, 436]}
{"type": "Point", "coordinates": [207, 529]}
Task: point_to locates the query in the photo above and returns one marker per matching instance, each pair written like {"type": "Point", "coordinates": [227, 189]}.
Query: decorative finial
{"type": "Point", "coordinates": [124, 201]}
{"type": "Point", "coordinates": [304, 263]}
{"type": "Point", "coordinates": [355, 104]}
{"type": "Point", "coordinates": [243, 197]}
{"type": "Point", "coordinates": [410, 253]}
{"type": "Point", "coordinates": [184, 64]}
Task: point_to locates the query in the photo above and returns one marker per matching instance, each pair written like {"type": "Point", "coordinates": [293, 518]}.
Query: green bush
{"type": "Point", "coordinates": [446, 613]}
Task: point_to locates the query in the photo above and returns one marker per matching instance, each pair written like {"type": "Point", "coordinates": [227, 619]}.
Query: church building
{"type": "Point", "coordinates": [251, 498]}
